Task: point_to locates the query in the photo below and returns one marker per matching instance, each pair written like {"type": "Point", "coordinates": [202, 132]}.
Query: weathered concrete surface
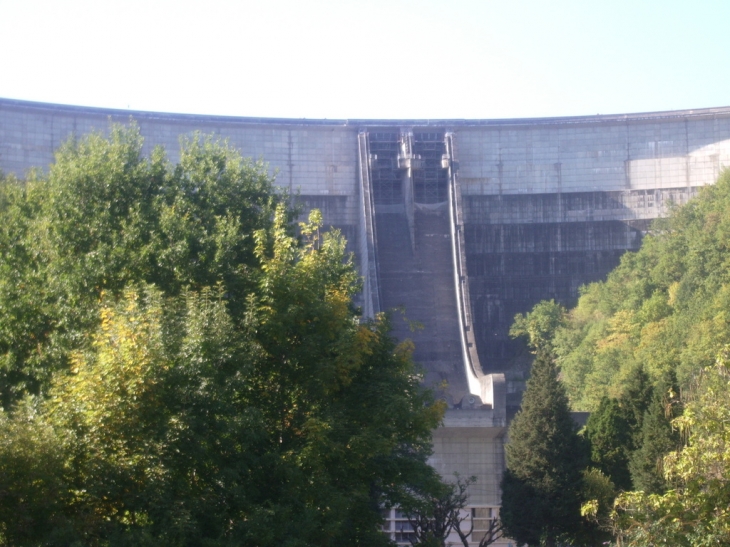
{"type": "Point", "coordinates": [472, 443]}
{"type": "Point", "coordinates": [315, 159]}
{"type": "Point", "coordinates": [420, 281]}
{"type": "Point", "coordinates": [548, 204]}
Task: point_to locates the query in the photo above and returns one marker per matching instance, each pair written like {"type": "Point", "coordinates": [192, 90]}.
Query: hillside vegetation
{"type": "Point", "coordinates": [646, 352]}
{"type": "Point", "coordinates": [665, 308]}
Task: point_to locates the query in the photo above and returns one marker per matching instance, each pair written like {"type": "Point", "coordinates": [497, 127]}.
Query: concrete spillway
{"type": "Point", "coordinates": [418, 279]}
{"type": "Point", "coordinates": [421, 262]}
{"type": "Point", "coordinates": [413, 247]}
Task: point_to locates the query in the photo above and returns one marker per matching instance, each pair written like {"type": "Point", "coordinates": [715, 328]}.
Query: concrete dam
{"type": "Point", "coordinates": [458, 224]}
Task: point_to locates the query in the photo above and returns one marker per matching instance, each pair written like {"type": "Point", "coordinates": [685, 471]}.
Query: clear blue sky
{"type": "Point", "coordinates": [370, 58]}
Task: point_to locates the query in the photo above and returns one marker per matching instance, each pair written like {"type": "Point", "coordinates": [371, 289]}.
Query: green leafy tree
{"type": "Point", "coordinates": [541, 488]}
{"type": "Point", "coordinates": [36, 487]}
{"type": "Point", "coordinates": [106, 216]}
{"type": "Point", "coordinates": [293, 428]}
{"type": "Point", "coordinates": [539, 325]}
{"type": "Point", "coordinates": [693, 511]}
{"type": "Point", "coordinates": [598, 494]}
{"type": "Point", "coordinates": [205, 378]}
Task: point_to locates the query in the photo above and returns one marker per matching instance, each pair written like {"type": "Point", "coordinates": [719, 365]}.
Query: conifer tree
{"type": "Point", "coordinates": [545, 457]}
{"type": "Point", "coordinates": [658, 438]}
{"type": "Point", "coordinates": [614, 430]}
{"type": "Point", "coordinates": [635, 401]}
{"type": "Point", "coordinates": [609, 432]}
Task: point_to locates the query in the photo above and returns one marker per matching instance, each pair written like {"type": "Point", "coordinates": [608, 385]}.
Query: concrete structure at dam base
{"type": "Point", "coordinates": [461, 223]}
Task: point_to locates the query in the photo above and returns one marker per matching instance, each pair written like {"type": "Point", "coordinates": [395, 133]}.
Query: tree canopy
{"type": "Point", "coordinates": [105, 216]}
{"type": "Point", "coordinates": [180, 368]}
{"type": "Point", "coordinates": [692, 510]}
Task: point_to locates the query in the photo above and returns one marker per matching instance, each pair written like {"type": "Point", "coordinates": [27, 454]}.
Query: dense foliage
{"type": "Point", "coordinates": [179, 369]}
{"type": "Point", "coordinates": [664, 308]}
{"type": "Point", "coordinates": [656, 438]}
{"type": "Point", "coordinates": [106, 216]}
{"type": "Point", "coordinates": [638, 352]}
{"type": "Point", "coordinates": [615, 431]}
{"type": "Point", "coordinates": [693, 509]}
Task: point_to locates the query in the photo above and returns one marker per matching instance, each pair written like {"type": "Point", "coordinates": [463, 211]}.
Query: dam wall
{"type": "Point", "coordinates": [315, 160]}
{"type": "Point", "coordinates": [546, 204]}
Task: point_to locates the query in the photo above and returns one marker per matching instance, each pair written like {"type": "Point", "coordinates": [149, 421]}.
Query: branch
{"type": "Point", "coordinates": [492, 534]}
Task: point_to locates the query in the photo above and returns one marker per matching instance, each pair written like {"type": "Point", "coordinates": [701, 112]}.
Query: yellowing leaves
{"type": "Point", "coordinates": [695, 511]}
{"type": "Point", "coordinates": [110, 385]}
{"type": "Point", "coordinates": [672, 292]}
{"type": "Point", "coordinates": [621, 327]}
{"type": "Point", "coordinates": [244, 396]}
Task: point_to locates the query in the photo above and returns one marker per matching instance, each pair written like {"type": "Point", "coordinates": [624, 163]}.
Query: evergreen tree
{"type": "Point", "coordinates": [542, 483]}
{"type": "Point", "coordinates": [658, 438]}
{"type": "Point", "coordinates": [635, 401]}
{"type": "Point", "coordinates": [609, 432]}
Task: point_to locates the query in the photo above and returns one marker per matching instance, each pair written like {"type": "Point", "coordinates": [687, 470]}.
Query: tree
{"type": "Point", "coordinates": [434, 513]}
{"type": "Point", "coordinates": [494, 532]}
{"type": "Point", "coordinates": [658, 438]}
{"type": "Point", "coordinates": [35, 484]}
{"type": "Point", "coordinates": [598, 496]}
{"type": "Point", "coordinates": [106, 216]}
{"type": "Point", "coordinates": [203, 375]}
{"type": "Point", "coordinates": [439, 509]}
{"type": "Point", "coordinates": [613, 433]}
{"type": "Point", "coordinates": [539, 325]}
{"type": "Point", "coordinates": [542, 483]}
{"type": "Point", "coordinates": [609, 433]}
{"type": "Point", "coordinates": [292, 428]}
{"type": "Point", "coordinates": [694, 509]}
